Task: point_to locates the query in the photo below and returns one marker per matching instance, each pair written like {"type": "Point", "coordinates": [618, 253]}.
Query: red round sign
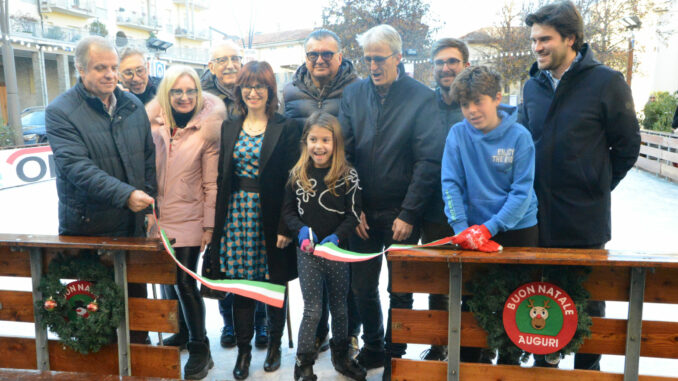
{"type": "Point", "coordinates": [540, 318]}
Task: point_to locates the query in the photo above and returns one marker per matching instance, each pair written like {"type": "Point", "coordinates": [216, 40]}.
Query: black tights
{"type": "Point", "coordinates": [186, 290]}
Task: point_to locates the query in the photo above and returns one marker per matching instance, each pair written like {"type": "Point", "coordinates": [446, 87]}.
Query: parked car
{"type": "Point", "coordinates": [33, 124]}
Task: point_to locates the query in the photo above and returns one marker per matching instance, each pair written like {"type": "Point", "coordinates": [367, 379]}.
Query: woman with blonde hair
{"type": "Point", "coordinates": [185, 123]}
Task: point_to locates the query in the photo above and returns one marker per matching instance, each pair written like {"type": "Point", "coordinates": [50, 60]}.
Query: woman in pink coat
{"type": "Point", "coordinates": [186, 123]}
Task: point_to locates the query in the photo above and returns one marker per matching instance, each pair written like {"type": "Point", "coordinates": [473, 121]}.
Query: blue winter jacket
{"type": "Point", "coordinates": [488, 178]}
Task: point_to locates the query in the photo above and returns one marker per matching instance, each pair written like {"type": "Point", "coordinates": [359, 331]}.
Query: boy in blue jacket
{"type": "Point", "coordinates": [488, 169]}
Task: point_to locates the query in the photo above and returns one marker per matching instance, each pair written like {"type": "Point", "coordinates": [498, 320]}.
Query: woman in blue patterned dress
{"type": "Point", "coordinates": [250, 240]}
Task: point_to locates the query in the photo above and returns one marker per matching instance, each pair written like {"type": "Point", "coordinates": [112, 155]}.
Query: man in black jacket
{"type": "Point", "coordinates": [386, 121]}
{"type": "Point", "coordinates": [134, 75]}
{"type": "Point", "coordinates": [584, 126]}
{"type": "Point", "coordinates": [450, 57]}
{"type": "Point", "coordinates": [317, 86]}
{"type": "Point", "coordinates": [103, 153]}
{"type": "Point", "coordinates": [319, 82]}
{"type": "Point", "coordinates": [224, 65]}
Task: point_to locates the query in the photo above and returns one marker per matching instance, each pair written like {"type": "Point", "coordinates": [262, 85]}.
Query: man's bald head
{"type": "Point", "coordinates": [225, 62]}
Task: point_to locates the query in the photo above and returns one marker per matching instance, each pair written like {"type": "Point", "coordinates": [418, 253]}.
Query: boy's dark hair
{"type": "Point", "coordinates": [564, 17]}
{"type": "Point", "coordinates": [444, 43]}
{"type": "Point", "coordinates": [474, 82]}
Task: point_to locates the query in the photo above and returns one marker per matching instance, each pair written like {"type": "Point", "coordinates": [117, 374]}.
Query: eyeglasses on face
{"type": "Point", "coordinates": [129, 73]}
{"type": "Point", "coordinates": [225, 59]}
{"type": "Point", "coordinates": [178, 93]}
{"type": "Point", "coordinates": [259, 88]}
{"type": "Point", "coordinates": [449, 62]}
{"type": "Point", "coordinates": [325, 55]}
{"type": "Point", "coordinates": [379, 60]}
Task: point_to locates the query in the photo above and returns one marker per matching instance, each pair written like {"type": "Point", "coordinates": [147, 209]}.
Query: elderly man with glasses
{"type": "Point", "coordinates": [224, 65]}
{"type": "Point", "coordinates": [317, 86]}
{"type": "Point", "coordinates": [388, 124]}
{"type": "Point", "coordinates": [133, 75]}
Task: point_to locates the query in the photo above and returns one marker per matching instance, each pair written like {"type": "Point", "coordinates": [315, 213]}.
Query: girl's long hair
{"type": "Point", "coordinates": [339, 166]}
{"type": "Point", "coordinates": [171, 76]}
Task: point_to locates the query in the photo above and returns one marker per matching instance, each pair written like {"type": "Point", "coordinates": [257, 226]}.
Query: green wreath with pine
{"type": "Point", "coordinates": [91, 324]}
{"type": "Point", "coordinates": [491, 289]}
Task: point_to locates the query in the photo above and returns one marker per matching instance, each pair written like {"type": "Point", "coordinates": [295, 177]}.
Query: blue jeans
{"type": "Point", "coordinates": [365, 282]}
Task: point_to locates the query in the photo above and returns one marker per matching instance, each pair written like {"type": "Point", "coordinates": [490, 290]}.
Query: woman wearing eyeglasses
{"type": "Point", "coordinates": [250, 239]}
{"type": "Point", "coordinates": [185, 123]}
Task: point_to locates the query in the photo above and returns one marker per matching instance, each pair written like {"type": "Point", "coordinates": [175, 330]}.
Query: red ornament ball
{"type": "Point", "coordinates": [50, 304]}
{"type": "Point", "coordinates": [93, 307]}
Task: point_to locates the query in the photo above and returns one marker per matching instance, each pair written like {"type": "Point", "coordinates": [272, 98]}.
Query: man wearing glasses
{"type": "Point", "coordinates": [224, 65]}
{"type": "Point", "coordinates": [317, 86]}
{"type": "Point", "coordinates": [387, 124]}
{"type": "Point", "coordinates": [134, 75]}
{"type": "Point", "coordinates": [450, 58]}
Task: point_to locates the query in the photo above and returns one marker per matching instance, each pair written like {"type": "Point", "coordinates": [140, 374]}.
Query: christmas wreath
{"type": "Point", "coordinates": [85, 313]}
{"type": "Point", "coordinates": [491, 289]}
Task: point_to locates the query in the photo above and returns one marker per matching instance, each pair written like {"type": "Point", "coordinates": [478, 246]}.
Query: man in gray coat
{"type": "Point", "coordinates": [103, 153]}
{"type": "Point", "coordinates": [224, 65]}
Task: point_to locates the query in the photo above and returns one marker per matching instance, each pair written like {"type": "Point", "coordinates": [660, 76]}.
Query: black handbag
{"type": "Point", "coordinates": [211, 270]}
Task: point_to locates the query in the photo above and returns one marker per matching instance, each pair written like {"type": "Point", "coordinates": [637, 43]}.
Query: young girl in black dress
{"type": "Point", "coordinates": [322, 204]}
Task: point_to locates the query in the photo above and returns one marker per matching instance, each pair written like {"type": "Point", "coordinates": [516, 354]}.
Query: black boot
{"type": "Point", "coordinates": [303, 368]}
{"type": "Point", "coordinates": [242, 363]}
{"type": "Point", "coordinates": [179, 339]}
{"type": "Point", "coordinates": [272, 362]}
{"type": "Point", "coordinates": [343, 363]}
{"type": "Point", "coordinates": [199, 360]}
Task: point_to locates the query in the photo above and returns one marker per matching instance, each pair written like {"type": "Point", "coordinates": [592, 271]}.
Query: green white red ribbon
{"type": "Point", "coordinates": [334, 253]}
{"type": "Point", "coordinates": [269, 293]}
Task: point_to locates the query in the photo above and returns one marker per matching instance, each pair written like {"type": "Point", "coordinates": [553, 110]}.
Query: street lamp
{"type": "Point", "coordinates": [631, 23]}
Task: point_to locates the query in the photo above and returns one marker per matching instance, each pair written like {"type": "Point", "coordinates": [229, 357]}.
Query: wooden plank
{"type": "Point", "coordinates": [604, 283]}
{"type": "Point", "coordinates": [413, 370]}
{"type": "Point", "coordinates": [14, 263]}
{"type": "Point", "coordinates": [65, 242]}
{"type": "Point", "coordinates": [646, 164]}
{"type": "Point", "coordinates": [18, 353]}
{"type": "Point", "coordinates": [608, 336]}
{"type": "Point", "coordinates": [147, 360]}
{"type": "Point", "coordinates": [157, 315]}
{"type": "Point", "coordinates": [542, 256]}
{"type": "Point", "coordinates": [670, 156]}
{"type": "Point", "coordinates": [652, 151]}
{"type": "Point", "coordinates": [29, 375]}
{"type": "Point", "coordinates": [668, 171]}
{"type": "Point", "coordinates": [651, 139]}
{"type": "Point", "coordinates": [151, 267]}
{"type": "Point", "coordinates": [16, 306]}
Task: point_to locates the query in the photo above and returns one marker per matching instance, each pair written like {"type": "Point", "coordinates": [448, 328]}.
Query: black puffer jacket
{"type": "Point", "coordinates": [393, 143]}
{"type": "Point", "coordinates": [303, 98]}
{"type": "Point", "coordinates": [208, 81]}
{"type": "Point", "coordinates": [586, 139]}
{"type": "Point", "coordinates": [100, 159]}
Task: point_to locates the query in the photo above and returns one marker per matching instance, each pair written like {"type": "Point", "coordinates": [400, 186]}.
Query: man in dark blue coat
{"type": "Point", "coordinates": [584, 126]}
{"type": "Point", "coordinates": [103, 152]}
{"type": "Point", "coordinates": [317, 86]}
{"type": "Point", "coordinates": [388, 121]}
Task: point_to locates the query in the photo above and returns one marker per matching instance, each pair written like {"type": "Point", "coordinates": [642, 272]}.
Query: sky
{"type": "Point", "coordinates": [455, 18]}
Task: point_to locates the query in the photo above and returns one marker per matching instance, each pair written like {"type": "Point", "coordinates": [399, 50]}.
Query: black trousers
{"type": "Point", "coordinates": [191, 304]}
{"type": "Point", "coordinates": [243, 321]}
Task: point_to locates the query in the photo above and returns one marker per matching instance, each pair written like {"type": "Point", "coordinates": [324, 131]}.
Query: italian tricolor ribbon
{"type": "Point", "coordinates": [334, 253]}
{"type": "Point", "coordinates": [269, 293]}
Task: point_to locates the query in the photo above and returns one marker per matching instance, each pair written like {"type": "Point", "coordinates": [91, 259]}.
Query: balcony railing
{"type": "Point", "coordinates": [200, 34]}
{"type": "Point", "coordinates": [203, 4]}
{"type": "Point", "coordinates": [133, 20]}
{"type": "Point", "coordinates": [83, 8]}
{"type": "Point", "coordinates": [26, 28]}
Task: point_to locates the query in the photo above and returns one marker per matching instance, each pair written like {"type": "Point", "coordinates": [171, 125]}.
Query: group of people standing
{"type": "Point", "coordinates": [361, 163]}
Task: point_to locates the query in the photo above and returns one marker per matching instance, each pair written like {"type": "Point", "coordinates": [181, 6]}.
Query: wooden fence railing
{"type": "Point", "coordinates": [615, 276]}
{"type": "Point", "coordinates": [659, 154]}
{"type": "Point", "coordinates": [134, 260]}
